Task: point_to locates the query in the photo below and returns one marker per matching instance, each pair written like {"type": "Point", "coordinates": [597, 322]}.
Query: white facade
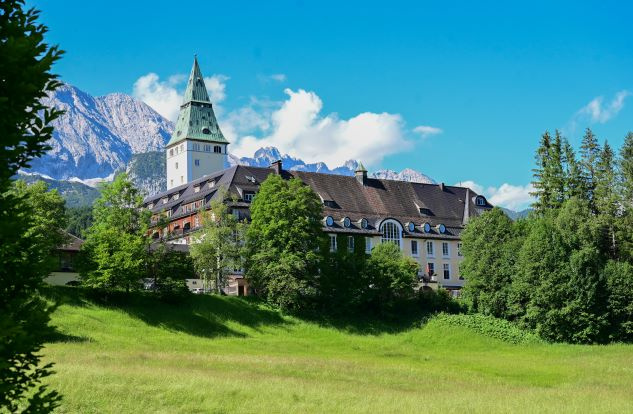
{"type": "Point", "coordinates": [191, 159]}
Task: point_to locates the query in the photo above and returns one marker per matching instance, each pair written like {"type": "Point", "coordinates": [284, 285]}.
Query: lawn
{"type": "Point", "coordinates": [233, 355]}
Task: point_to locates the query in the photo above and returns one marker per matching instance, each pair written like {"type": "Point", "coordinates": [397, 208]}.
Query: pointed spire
{"type": "Point", "coordinates": [360, 167]}
{"type": "Point", "coordinates": [196, 90]}
{"type": "Point", "coordinates": [361, 173]}
{"type": "Point", "coordinates": [197, 119]}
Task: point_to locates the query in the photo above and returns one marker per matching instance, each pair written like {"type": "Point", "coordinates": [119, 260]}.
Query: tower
{"type": "Point", "coordinates": [197, 146]}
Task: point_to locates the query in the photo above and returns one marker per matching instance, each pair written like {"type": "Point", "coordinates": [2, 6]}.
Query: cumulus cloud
{"type": "Point", "coordinates": [598, 111]}
{"type": "Point", "coordinates": [298, 128]}
{"type": "Point", "coordinates": [166, 96]}
{"type": "Point", "coordinates": [513, 197]}
{"type": "Point", "coordinates": [426, 131]}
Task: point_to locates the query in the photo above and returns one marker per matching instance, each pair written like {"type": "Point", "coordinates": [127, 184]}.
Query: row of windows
{"type": "Point", "coordinates": [194, 147]}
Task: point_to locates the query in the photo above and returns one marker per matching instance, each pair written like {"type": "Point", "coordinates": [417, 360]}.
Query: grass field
{"type": "Point", "coordinates": [232, 355]}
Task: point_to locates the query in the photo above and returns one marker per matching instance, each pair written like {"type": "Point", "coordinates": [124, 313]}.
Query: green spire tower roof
{"type": "Point", "coordinates": [197, 119]}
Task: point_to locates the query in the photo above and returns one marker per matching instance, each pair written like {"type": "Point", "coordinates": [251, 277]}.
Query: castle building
{"type": "Point", "coordinates": [424, 220]}
{"type": "Point", "coordinates": [197, 146]}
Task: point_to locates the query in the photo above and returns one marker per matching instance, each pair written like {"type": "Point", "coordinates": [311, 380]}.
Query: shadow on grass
{"type": "Point", "coordinates": [200, 315]}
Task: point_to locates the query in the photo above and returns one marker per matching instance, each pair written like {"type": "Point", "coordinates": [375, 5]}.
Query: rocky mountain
{"type": "Point", "coordinates": [75, 193]}
{"type": "Point", "coordinates": [98, 135]}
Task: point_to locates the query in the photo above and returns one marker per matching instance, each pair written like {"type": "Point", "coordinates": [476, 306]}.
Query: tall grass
{"type": "Point", "coordinates": [215, 354]}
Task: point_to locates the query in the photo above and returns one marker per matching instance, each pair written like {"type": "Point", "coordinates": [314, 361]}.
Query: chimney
{"type": "Point", "coordinates": [361, 174]}
{"type": "Point", "coordinates": [441, 186]}
{"type": "Point", "coordinates": [277, 167]}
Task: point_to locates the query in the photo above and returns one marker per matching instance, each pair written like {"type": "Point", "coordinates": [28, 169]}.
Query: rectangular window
{"type": "Point", "coordinates": [171, 183]}
{"type": "Point", "coordinates": [350, 243]}
{"type": "Point", "coordinates": [248, 196]}
{"type": "Point", "coordinates": [429, 248]}
{"type": "Point", "coordinates": [171, 152]}
{"type": "Point", "coordinates": [332, 242]}
{"type": "Point", "coordinates": [367, 245]}
{"type": "Point", "coordinates": [182, 179]}
{"type": "Point", "coordinates": [414, 248]}
{"type": "Point", "coordinates": [196, 189]}
{"type": "Point", "coordinates": [430, 269]}
{"type": "Point", "coordinates": [459, 249]}
{"type": "Point", "coordinates": [196, 221]}
{"type": "Point", "coordinates": [196, 162]}
{"type": "Point", "coordinates": [176, 165]}
{"type": "Point", "coordinates": [211, 184]}
{"type": "Point", "coordinates": [447, 270]}
{"type": "Point", "coordinates": [445, 251]}
{"type": "Point", "coordinates": [207, 148]}
{"type": "Point", "coordinates": [164, 200]}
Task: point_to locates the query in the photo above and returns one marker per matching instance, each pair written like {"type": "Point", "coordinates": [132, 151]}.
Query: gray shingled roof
{"type": "Point", "coordinates": [376, 200]}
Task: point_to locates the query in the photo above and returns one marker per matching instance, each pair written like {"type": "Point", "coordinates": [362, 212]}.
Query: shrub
{"type": "Point", "coordinates": [491, 327]}
{"type": "Point", "coordinates": [433, 301]}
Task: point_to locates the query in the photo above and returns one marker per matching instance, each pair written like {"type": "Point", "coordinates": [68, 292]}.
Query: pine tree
{"type": "Point", "coordinates": [626, 171]}
{"type": "Point", "coordinates": [556, 171]}
{"type": "Point", "coordinates": [606, 195]}
{"type": "Point", "coordinates": [573, 175]}
{"type": "Point", "coordinates": [589, 154]}
{"type": "Point", "coordinates": [542, 189]}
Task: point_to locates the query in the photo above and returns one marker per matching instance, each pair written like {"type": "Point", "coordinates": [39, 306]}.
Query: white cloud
{"type": "Point", "coordinates": [426, 131]}
{"type": "Point", "coordinates": [298, 128]}
{"type": "Point", "coordinates": [279, 77]}
{"type": "Point", "coordinates": [166, 96]}
{"type": "Point", "coordinates": [514, 197]}
{"type": "Point", "coordinates": [597, 111]}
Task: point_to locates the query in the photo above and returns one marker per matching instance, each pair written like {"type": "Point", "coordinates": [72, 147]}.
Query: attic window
{"type": "Point", "coordinates": [329, 221]}
{"type": "Point", "coordinates": [480, 201]}
{"type": "Point", "coordinates": [425, 211]}
{"type": "Point", "coordinates": [347, 222]}
{"type": "Point", "coordinates": [150, 206]}
{"type": "Point", "coordinates": [196, 189]}
{"type": "Point", "coordinates": [329, 203]}
{"type": "Point", "coordinates": [411, 227]}
{"type": "Point", "coordinates": [164, 200]}
{"type": "Point", "coordinates": [441, 228]}
{"type": "Point", "coordinates": [427, 228]}
{"type": "Point", "coordinates": [206, 131]}
{"type": "Point", "coordinates": [211, 184]}
{"type": "Point", "coordinates": [176, 196]}
{"type": "Point", "coordinates": [248, 196]}
{"type": "Point", "coordinates": [364, 223]}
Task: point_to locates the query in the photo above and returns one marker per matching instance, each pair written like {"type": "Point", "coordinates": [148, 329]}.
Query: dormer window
{"type": "Point", "coordinates": [347, 222]}
{"type": "Point", "coordinates": [211, 184]}
{"type": "Point", "coordinates": [364, 223]}
{"type": "Point", "coordinates": [427, 228]}
{"type": "Point", "coordinates": [150, 206]}
{"type": "Point", "coordinates": [411, 227]}
{"type": "Point", "coordinates": [176, 196]}
{"type": "Point", "coordinates": [329, 221]}
{"type": "Point", "coordinates": [196, 189]}
{"type": "Point", "coordinates": [165, 200]}
{"type": "Point", "coordinates": [249, 196]}
{"type": "Point", "coordinates": [329, 203]}
{"type": "Point", "coordinates": [480, 201]}
{"type": "Point", "coordinates": [441, 228]}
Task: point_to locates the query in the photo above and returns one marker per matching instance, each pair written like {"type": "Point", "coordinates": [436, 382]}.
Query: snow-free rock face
{"type": "Point", "coordinates": [97, 136]}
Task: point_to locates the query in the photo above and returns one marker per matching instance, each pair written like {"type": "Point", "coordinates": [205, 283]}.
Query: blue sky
{"type": "Point", "coordinates": [478, 81]}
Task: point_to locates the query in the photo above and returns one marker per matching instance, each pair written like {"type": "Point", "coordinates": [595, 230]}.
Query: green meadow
{"type": "Point", "coordinates": [228, 354]}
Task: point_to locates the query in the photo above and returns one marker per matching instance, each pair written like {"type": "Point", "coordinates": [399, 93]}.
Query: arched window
{"type": "Point", "coordinates": [217, 149]}
{"type": "Point", "coordinates": [391, 232]}
{"type": "Point", "coordinates": [480, 201]}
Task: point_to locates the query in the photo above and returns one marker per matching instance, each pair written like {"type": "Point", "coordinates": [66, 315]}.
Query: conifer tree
{"type": "Point", "coordinates": [556, 171]}
{"type": "Point", "coordinates": [626, 171]}
{"type": "Point", "coordinates": [589, 153]}
{"type": "Point", "coordinates": [573, 174]}
{"type": "Point", "coordinates": [542, 189]}
{"type": "Point", "coordinates": [606, 195]}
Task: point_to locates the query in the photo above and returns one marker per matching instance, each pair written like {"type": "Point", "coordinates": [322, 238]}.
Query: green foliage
{"type": "Point", "coordinates": [490, 326]}
{"type": "Point", "coordinates": [217, 250]}
{"type": "Point", "coordinates": [25, 79]}
{"type": "Point", "coordinates": [433, 301]}
{"type": "Point", "coordinates": [168, 269]}
{"type": "Point", "coordinates": [116, 246]}
{"type": "Point", "coordinates": [282, 242]}
{"type": "Point", "coordinates": [391, 276]}
{"type": "Point", "coordinates": [558, 290]}
{"type": "Point", "coordinates": [626, 170]}
{"type": "Point", "coordinates": [79, 219]}
{"type": "Point", "coordinates": [489, 245]}
{"type": "Point", "coordinates": [619, 278]}
{"type": "Point", "coordinates": [589, 157]}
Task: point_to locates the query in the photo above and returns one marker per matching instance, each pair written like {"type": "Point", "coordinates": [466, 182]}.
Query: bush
{"type": "Point", "coordinates": [434, 301]}
{"type": "Point", "coordinates": [491, 327]}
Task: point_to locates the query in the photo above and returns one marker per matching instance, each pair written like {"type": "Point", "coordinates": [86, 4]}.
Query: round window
{"type": "Point", "coordinates": [363, 223]}
{"type": "Point", "coordinates": [329, 221]}
{"type": "Point", "coordinates": [427, 228]}
{"type": "Point", "coordinates": [206, 131]}
{"type": "Point", "coordinates": [442, 229]}
{"type": "Point", "coordinates": [411, 227]}
{"type": "Point", "coordinates": [347, 222]}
